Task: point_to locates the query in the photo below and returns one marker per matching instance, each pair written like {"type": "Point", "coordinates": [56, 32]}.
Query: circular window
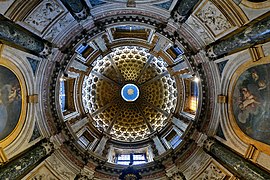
{"type": "Point", "coordinates": [130, 92]}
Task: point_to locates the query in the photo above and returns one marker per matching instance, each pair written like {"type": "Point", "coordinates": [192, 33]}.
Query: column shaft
{"type": "Point", "coordinates": [101, 145]}
{"type": "Point", "coordinates": [254, 34]}
{"type": "Point", "coordinates": [159, 145]}
{"type": "Point", "coordinates": [20, 38]}
{"type": "Point", "coordinates": [180, 124]}
{"type": "Point", "coordinates": [237, 164]}
{"type": "Point", "coordinates": [79, 124]}
{"type": "Point", "coordinates": [79, 66]}
{"type": "Point", "coordinates": [78, 8]}
{"type": "Point", "coordinates": [20, 166]}
{"type": "Point", "coordinates": [183, 9]}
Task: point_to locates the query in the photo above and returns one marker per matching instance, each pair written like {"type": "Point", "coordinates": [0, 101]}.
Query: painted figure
{"type": "Point", "coordinates": [251, 103]}
{"type": "Point", "coordinates": [10, 101]}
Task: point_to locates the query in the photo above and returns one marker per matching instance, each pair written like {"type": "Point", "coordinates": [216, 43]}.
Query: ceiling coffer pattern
{"type": "Point", "coordinates": [93, 84]}
{"type": "Point", "coordinates": [129, 121]}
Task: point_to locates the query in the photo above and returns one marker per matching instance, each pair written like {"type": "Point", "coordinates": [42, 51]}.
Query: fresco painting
{"type": "Point", "coordinates": [10, 101]}
{"type": "Point", "coordinates": [251, 102]}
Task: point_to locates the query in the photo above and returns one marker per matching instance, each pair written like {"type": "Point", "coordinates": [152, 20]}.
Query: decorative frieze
{"type": "Point", "coordinates": [58, 27]}
{"type": "Point", "coordinates": [196, 26]}
{"type": "Point", "coordinates": [194, 168]}
{"type": "Point", "coordinates": [59, 167]}
{"type": "Point", "coordinates": [213, 18]}
{"type": "Point", "coordinates": [44, 14]}
{"type": "Point", "coordinates": [212, 172]}
{"type": "Point", "coordinates": [43, 172]}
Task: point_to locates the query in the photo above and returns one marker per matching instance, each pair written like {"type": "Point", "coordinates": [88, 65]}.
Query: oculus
{"type": "Point", "coordinates": [130, 92]}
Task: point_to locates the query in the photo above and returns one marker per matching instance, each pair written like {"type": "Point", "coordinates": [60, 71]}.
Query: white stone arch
{"type": "Point", "coordinates": [42, 78]}
{"type": "Point", "coordinates": [235, 61]}
{"type": "Point", "coordinates": [18, 58]}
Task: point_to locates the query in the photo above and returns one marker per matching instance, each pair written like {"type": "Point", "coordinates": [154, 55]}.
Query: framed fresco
{"type": "Point", "coordinates": [12, 102]}
{"type": "Point", "coordinates": [256, 4]}
{"type": "Point", "coordinates": [249, 103]}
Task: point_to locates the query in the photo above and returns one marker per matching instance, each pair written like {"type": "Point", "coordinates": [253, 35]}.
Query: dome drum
{"type": "Point", "coordinates": [134, 89]}
{"type": "Point", "coordinates": [161, 96]}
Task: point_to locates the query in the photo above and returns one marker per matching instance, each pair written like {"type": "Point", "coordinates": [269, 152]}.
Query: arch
{"type": "Point", "coordinates": [246, 78]}
{"type": "Point", "coordinates": [256, 4]}
{"type": "Point", "coordinates": [13, 132]}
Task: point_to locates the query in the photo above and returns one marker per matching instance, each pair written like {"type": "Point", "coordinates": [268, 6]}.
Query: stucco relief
{"type": "Point", "coordinates": [198, 28]}
{"type": "Point", "coordinates": [44, 176]}
{"type": "Point", "coordinates": [200, 162]}
{"type": "Point", "coordinates": [213, 18]}
{"type": "Point", "coordinates": [44, 173]}
{"type": "Point", "coordinates": [177, 176]}
{"type": "Point", "coordinates": [212, 172]}
{"type": "Point", "coordinates": [57, 166]}
{"type": "Point", "coordinates": [46, 12]}
{"type": "Point", "coordinates": [59, 26]}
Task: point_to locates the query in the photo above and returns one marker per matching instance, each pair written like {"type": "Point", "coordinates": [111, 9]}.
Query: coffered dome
{"type": "Point", "coordinates": [177, 88]}
{"type": "Point", "coordinates": [111, 113]}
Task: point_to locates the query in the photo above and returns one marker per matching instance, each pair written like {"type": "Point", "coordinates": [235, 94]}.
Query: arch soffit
{"type": "Point", "coordinates": [16, 61]}
{"type": "Point", "coordinates": [232, 130]}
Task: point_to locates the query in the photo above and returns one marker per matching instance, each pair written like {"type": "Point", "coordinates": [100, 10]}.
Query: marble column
{"type": "Point", "coordinates": [183, 9]}
{"type": "Point", "coordinates": [240, 167]}
{"type": "Point", "coordinates": [78, 66]}
{"type": "Point", "coordinates": [101, 145]}
{"type": "Point", "coordinates": [20, 166]}
{"type": "Point", "coordinates": [101, 44]}
{"type": "Point", "coordinates": [78, 8]}
{"type": "Point", "coordinates": [79, 124]}
{"type": "Point", "coordinates": [18, 37]}
{"type": "Point", "coordinates": [180, 124]}
{"type": "Point", "coordinates": [159, 145]}
{"type": "Point", "coordinates": [160, 45]}
{"type": "Point", "coordinates": [248, 37]}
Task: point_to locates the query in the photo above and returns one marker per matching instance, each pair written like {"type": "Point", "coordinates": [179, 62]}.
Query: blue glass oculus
{"type": "Point", "coordinates": [130, 92]}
